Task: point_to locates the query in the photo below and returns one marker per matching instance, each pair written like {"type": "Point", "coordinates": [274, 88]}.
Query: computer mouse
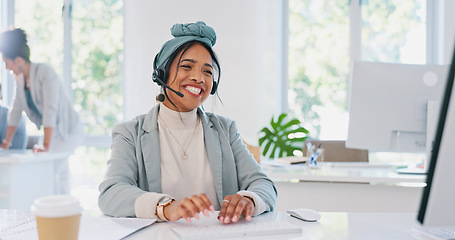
{"type": "Point", "coordinates": [307, 215]}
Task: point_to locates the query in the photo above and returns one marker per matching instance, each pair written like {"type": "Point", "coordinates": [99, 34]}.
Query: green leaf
{"type": "Point", "coordinates": [275, 140]}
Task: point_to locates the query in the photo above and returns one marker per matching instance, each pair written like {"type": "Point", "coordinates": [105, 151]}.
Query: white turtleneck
{"type": "Point", "coordinates": [184, 177]}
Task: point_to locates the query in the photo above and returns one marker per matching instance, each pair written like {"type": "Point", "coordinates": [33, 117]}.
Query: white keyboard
{"type": "Point", "coordinates": [235, 230]}
{"type": "Point", "coordinates": [447, 233]}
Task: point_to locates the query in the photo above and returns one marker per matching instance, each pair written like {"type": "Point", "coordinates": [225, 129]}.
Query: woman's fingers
{"type": "Point", "coordinates": [190, 207]}
{"type": "Point", "coordinates": [233, 206]}
{"type": "Point", "coordinates": [224, 205]}
{"type": "Point", "coordinates": [205, 205]}
{"type": "Point", "coordinates": [248, 211]}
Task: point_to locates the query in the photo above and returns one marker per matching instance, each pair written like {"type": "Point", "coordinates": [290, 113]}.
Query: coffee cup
{"type": "Point", "coordinates": [57, 217]}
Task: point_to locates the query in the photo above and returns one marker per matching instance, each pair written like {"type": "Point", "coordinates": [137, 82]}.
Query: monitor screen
{"type": "Point", "coordinates": [390, 103]}
{"type": "Point", "coordinates": [437, 207]}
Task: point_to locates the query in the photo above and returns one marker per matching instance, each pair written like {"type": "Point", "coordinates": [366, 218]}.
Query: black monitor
{"type": "Point", "coordinates": [437, 207]}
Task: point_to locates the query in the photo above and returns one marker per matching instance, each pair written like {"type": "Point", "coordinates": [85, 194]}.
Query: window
{"type": "Point", "coordinates": [97, 53]}
{"type": "Point", "coordinates": [320, 52]}
{"type": "Point", "coordinates": [318, 66]}
{"type": "Point", "coordinates": [90, 54]}
{"type": "Point", "coordinates": [83, 43]}
{"type": "Point", "coordinates": [394, 31]}
{"type": "Point", "coordinates": [42, 22]}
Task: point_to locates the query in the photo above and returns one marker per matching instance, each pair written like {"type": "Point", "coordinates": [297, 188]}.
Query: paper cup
{"type": "Point", "coordinates": [57, 217]}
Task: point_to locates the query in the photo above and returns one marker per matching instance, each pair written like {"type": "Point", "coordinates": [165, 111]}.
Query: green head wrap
{"type": "Point", "coordinates": [184, 33]}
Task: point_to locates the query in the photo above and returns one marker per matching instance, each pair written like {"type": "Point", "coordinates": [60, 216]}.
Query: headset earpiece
{"type": "Point", "coordinates": [158, 76]}
{"type": "Point", "coordinates": [214, 87]}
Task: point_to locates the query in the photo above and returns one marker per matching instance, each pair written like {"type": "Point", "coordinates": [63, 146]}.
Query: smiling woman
{"type": "Point", "coordinates": [190, 74]}
{"type": "Point", "coordinates": [178, 161]}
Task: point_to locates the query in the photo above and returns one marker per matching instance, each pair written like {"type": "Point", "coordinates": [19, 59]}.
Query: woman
{"type": "Point", "coordinates": [178, 161]}
{"type": "Point", "coordinates": [40, 94]}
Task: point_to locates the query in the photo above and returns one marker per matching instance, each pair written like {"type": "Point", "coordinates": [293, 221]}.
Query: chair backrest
{"type": "Point", "coordinates": [336, 151]}
{"type": "Point", "coordinates": [255, 150]}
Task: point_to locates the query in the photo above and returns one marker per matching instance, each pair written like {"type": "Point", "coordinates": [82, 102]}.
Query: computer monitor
{"type": "Point", "coordinates": [392, 106]}
{"type": "Point", "coordinates": [437, 207]}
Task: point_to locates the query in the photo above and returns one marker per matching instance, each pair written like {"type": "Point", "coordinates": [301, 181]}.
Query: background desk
{"type": "Point", "coordinates": [346, 189]}
{"type": "Point", "coordinates": [25, 176]}
{"type": "Point", "coordinates": [332, 226]}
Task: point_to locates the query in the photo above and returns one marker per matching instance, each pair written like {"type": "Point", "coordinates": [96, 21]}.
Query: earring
{"type": "Point", "coordinates": [160, 97]}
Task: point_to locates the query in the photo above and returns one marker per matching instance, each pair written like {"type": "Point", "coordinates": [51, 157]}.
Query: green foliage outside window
{"type": "Point", "coordinates": [97, 51]}
{"type": "Point", "coordinates": [319, 61]}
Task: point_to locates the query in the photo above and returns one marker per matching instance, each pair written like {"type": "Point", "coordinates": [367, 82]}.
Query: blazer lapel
{"type": "Point", "coordinates": [150, 147]}
{"type": "Point", "coordinates": [213, 147]}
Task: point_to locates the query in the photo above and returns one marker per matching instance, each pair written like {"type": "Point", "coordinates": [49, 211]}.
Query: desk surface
{"type": "Point", "coordinates": [332, 225]}
{"type": "Point", "coordinates": [326, 173]}
{"type": "Point", "coordinates": [23, 156]}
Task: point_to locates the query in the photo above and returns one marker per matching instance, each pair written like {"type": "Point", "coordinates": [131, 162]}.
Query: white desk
{"type": "Point", "coordinates": [332, 225]}
{"type": "Point", "coordinates": [343, 189]}
{"type": "Point", "coordinates": [341, 226]}
{"type": "Point", "coordinates": [25, 176]}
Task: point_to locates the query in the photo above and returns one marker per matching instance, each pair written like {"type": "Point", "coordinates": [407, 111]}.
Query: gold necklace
{"type": "Point", "coordinates": [185, 155]}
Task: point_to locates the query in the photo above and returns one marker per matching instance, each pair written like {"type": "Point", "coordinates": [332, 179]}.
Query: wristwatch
{"type": "Point", "coordinates": [160, 207]}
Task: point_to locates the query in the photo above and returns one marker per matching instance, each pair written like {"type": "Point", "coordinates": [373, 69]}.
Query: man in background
{"type": "Point", "coordinates": [20, 137]}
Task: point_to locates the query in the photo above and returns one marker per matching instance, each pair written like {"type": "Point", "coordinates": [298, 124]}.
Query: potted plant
{"type": "Point", "coordinates": [282, 138]}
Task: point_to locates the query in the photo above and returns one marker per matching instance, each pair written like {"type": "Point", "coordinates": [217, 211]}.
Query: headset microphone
{"type": "Point", "coordinates": [156, 77]}
{"type": "Point", "coordinates": [176, 92]}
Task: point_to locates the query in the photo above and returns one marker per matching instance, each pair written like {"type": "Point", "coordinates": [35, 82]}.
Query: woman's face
{"type": "Point", "coordinates": [192, 76]}
{"type": "Point", "coordinates": [12, 65]}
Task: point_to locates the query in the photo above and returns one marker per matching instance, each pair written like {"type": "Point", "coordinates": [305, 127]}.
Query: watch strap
{"type": "Point", "coordinates": [160, 210]}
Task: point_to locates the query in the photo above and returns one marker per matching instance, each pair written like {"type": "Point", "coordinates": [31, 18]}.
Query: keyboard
{"type": "Point", "coordinates": [437, 233]}
{"type": "Point", "coordinates": [235, 230]}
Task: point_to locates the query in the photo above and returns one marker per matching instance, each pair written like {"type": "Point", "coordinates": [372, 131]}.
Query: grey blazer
{"type": "Point", "coordinates": [50, 99]}
{"type": "Point", "coordinates": [134, 166]}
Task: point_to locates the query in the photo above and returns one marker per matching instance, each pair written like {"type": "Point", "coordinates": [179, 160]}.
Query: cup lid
{"type": "Point", "coordinates": [56, 206]}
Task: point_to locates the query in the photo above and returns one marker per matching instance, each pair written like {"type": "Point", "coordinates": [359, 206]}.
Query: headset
{"type": "Point", "coordinates": [159, 74]}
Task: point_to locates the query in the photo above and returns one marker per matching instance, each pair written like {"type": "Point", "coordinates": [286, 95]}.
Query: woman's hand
{"type": "Point", "coordinates": [233, 206]}
{"type": "Point", "coordinates": [37, 148]}
{"type": "Point", "coordinates": [5, 144]}
{"type": "Point", "coordinates": [188, 208]}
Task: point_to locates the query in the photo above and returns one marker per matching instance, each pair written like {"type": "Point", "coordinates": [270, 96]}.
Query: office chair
{"type": "Point", "coordinates": [32, 140]}
{"type": "Point", "coordinates": [255, 150]}
{"type": "Point", "coordinates": [336, 151]}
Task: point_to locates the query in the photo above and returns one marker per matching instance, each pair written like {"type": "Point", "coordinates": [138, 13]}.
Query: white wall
{"type": "Point", "coordinates": [449, 30]}
{"type": "Point", "coordinates": [249, 44]}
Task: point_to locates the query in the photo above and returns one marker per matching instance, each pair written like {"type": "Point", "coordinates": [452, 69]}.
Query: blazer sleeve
{"type": "Point", "coordinates": [119, 189]}
{"type": "Point", "coordinates": [15, 115]}
{"type": "Point", "coordinates": [51, 88]}
{"type": "Point", "coordinates": [249, 173]}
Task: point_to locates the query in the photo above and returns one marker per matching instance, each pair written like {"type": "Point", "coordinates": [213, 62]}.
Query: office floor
{"type": "Point", "coordinates": [87, 166]}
